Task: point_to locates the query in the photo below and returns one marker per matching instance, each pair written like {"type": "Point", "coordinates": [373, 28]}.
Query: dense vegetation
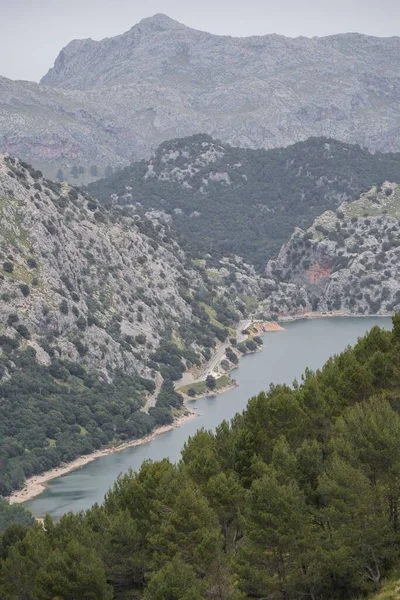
{"type": "Point", "coordinates": [269, 193]}
{"type": "Point", "coordinates": [53, 414]}
{"type": "Point", "coordinates": [296, 497]}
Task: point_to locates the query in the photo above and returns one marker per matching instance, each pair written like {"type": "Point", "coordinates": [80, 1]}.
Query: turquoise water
{"type": "Point", "coordinates": [286, 354]}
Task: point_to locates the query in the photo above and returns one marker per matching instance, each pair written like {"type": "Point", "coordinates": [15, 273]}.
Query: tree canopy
{"type": "Point", "coordinates": [297, 496]}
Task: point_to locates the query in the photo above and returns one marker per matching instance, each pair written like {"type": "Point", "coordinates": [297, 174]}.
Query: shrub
{"type": "Point", "coordinates": [77, 370]}
{"type": "Point", "coordinates": [23, 330]}
{"type": "Point", "coordinates": [8, 267]}
{"type": "Point", "coordinates": [82, 349]}
{"type": "Point", "coordinates": [231, 356]}
{"type": "Point", "coordinates": [31, 262]}
{"type": "Point", "coordinates": [50, 227]}
{"type": "Point", "coordinates": [64, 307]}
{"type": "Point", "coordinates": [211, 382]}
{"type": "Point", "coordinates": [24, 289]}
{"type": "Point", "coordinates": [12, 318]}
{"type": "Point", "coordinates": [92, 320]}
{"type": "Point", "coordinates": [251, 345]}
{"type": "Point", "coordinates": [92, 205]}
{"type": "Point", "coordinates": [7, 341]}
{"type": "Point", "coordinates": [81, 323]}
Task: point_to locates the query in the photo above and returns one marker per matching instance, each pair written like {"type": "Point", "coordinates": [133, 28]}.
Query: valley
{"type": "Point", "coordinates": [228, 201]}
{"type": "Point", "coordinates": [118, 296]}
{"type": "Point", "coordinates": [284, 357]}
{"type": "Point", "coordinates": [199, 305]}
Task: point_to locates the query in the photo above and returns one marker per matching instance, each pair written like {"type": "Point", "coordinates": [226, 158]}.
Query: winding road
{"type": "Point", "coordinates": [216, 358]}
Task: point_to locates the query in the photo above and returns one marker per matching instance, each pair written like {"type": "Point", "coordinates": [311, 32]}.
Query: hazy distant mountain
{"type": "Point", "coordinates": [118, 98]}
{"type": "Point", "coordinates": [54, 129]}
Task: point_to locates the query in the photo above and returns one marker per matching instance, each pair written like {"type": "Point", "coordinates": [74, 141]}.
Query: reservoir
{"type": "Point", "coordinates": [286, 354]}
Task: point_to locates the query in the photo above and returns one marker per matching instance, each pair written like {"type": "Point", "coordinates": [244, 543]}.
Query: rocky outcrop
{"type": "Point", "coordinates": [94, 285]}
{"type": "Point", "coordinates": [348, 261]}
{"type": "Point", "coordinates": [107, 102]}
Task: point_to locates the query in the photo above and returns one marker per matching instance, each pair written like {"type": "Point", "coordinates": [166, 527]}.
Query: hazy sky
{"type": "Point", "coordinates": [32, 32]}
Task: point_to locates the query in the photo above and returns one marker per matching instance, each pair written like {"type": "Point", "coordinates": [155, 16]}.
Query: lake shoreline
{"type": "Point", "coordinates": [211, 393]}
{"type": "Point", "coordinates": [329, 315]}
{"type": "Point", "coordinates": [35, 485]}
{"type": "Point", "coordinates": [270, 327]}
{"type": "Point", "coordinates": [258, 327]}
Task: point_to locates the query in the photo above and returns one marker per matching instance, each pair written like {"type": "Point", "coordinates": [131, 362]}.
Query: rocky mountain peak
{"type": "Point", "coordinates": [108, 102]}
{"type": "Point", "coordinates": [158, 22]}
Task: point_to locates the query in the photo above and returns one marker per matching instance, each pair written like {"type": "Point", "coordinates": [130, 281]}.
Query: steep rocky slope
{"type": "Point", "coordinates": [226, 200]}
{"type": "Point", "coordinates": [56, 129]}
{"type": "Point", "coordinates": [102, 286]}
{"type": "Point", "coordinates": [100, 311]}
{"type": "Point", "coordinates": [119, 98]}
{"type": "Point", "coordinates": [348, 260]}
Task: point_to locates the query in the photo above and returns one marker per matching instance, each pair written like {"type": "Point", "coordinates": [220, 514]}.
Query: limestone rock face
{"type": "Point", "coordinates": [107, 102]}
{"type": "Point", "coordinates": [82, 282]}
{"type": "Point", "coordinates": [348, 261]}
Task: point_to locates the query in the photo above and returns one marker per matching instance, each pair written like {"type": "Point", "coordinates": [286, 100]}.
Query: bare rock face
{"type": "Point", "coordinates": [348, 261]}
{"type": "Point", "coordinates": [55, 130]}
{"type": "Point", "coordinates": [110, 101]}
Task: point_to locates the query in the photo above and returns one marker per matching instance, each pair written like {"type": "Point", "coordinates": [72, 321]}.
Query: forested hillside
{"type": "Point", "coordinates": [97, 305]}
{"type": "Point", "coordinates": [296, 497]}
{"type": "Point", "coordinates": [225, 200]}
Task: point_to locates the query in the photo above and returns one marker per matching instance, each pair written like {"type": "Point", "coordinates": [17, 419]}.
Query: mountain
{"type": "Point", "coordinates": [348, 260]}
{"type": "Point", "coordinates": [113, 280]}
{"type": "Point", "coordinates": [224, 200]}
{"type": "Point", "coordinates": [115, 100]}
{"type": "Point", "coordinates": [99, 307]}
{"type": "Point", "coordinates": [55, 129]}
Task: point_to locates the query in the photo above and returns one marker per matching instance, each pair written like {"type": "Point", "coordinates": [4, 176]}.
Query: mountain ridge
{"type": "Point", "coordinates": [226, 200]}
{"type": "Point", "coordinates": [108, 102]}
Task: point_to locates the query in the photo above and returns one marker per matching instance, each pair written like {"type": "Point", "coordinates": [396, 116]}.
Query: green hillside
{"type": "Point", "coordinates": [296, 497]}
{"type": "Point", "coordinates": [225, 200]}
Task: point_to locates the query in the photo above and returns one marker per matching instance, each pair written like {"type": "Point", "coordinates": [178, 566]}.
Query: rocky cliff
{"type": "Point", "coordinates": [107, 102]}
{"type": "Point", "coordinates": [348, 260]}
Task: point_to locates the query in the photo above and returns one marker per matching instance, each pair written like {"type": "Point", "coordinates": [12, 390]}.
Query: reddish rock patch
{"type": "Point", "coordinates": [318, 272]}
